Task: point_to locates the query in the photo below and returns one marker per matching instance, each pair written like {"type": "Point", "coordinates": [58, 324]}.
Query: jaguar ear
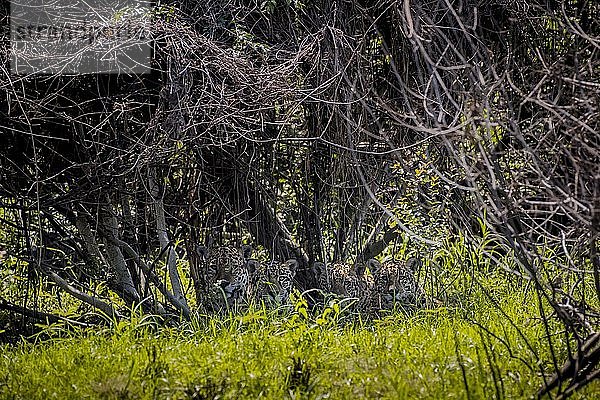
{"type": "Point", "coordinates": [252, 266]}
{"type": "Point", "coordinates": [210, 241]}
{"type": "Point", "coordinates": [292, 265]}
{"type": "Point", "coordinates": [318, 268]}
{"type": "Point", "coordinates": [247, 250]}
{"type": "Point", "coordinates": [413, 264]}
{"type": "Point", "coordinates": [374, 265]}
{"type": "Point", "coordinates": [202, 251]}
{"type": "Point", "coordinates": [360, 268]}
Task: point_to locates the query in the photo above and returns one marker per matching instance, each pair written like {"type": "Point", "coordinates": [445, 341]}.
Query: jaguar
{"type": "Point", "coordinates": [342, 279]}
{"type": "Point", "coordinates": [226, 274]}
{"type": "Point", "coordinates": [394, 284]}
{"type": "Point", "coordinates": [272, 282]}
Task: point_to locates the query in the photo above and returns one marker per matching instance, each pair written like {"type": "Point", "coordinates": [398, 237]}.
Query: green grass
{"type": "Point", "coordinates": [431, 354]}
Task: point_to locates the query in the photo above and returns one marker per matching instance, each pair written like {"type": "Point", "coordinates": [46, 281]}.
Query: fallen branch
{"type": "Point", "coordinates": [38, 315]}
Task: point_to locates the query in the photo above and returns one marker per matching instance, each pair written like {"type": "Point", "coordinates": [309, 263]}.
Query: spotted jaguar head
{"type": "Point", "coordinates": [394, 283]}
{"type": "Point", "coordinates": [226, 271]}
{"type": "Point", "coordinates": [273, 281]}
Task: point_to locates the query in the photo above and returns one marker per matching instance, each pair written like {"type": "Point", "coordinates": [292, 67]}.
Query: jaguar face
{"type": "Point", "coordinates": [394, 283]}
{"type": "Point", "coordinates": [226, 273]}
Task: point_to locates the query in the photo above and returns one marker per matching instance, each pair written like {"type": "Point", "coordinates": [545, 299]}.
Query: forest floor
{"type": "Point", "coordinates": [492, 347]}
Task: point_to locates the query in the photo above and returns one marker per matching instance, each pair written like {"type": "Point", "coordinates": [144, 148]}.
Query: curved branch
{"type": "Point", "coordinates": [152, 277]}
{"type": "Point", "coordinates": [78, 294]}
{"type": "Point", "coordinates": [165, 244]}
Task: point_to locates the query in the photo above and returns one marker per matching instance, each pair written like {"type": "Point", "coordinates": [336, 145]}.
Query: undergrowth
{"type": "Point", "coordinates": [436, 353]}
{"type": "Point", "coordinates": [481, 337]}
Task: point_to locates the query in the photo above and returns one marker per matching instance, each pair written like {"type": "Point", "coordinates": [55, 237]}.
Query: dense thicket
{"type": "Point", "coordinates": [319, 130]}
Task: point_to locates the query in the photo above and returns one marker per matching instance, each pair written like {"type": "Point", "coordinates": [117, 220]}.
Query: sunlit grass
{"type": "Point", "coordinates": [481, 338]}
{"type": "Point", "coordinates": [437, 353]}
